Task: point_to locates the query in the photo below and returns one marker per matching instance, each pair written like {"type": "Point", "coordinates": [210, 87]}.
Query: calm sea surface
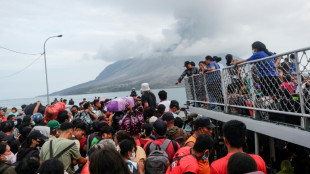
{"type": "Point", "coordinates": [173, 94]}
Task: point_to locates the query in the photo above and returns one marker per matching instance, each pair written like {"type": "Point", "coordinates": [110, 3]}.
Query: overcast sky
{"type": "Point", "coordinates": [99, 32]}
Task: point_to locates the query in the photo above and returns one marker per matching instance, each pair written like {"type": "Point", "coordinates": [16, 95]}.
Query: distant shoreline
{"type": "Point", "coordinates": [180, 86]}
{"type": "Point", "coordinates": [175, 93]}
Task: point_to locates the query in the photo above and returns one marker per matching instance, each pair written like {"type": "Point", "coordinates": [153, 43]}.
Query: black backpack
{"type": "Point", "coordinates": [149, 97]}
{"type": "Point", "coordinates": [152, 100]}
{"type": "Point", "coordinates": [29, 109]}
{"type": "Point", "coordinates": [115, 120]}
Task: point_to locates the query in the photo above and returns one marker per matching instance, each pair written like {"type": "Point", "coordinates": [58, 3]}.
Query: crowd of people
{"type": "Point", "coordinates": [272, 83]}
{"type": "Point", "coordinates": [149, 137]}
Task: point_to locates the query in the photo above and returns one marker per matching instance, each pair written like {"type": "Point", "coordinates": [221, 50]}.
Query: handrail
{"type": "Point", "coordinates": [273, 56]}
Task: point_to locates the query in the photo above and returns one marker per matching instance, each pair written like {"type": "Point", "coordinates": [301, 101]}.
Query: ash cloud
{"type": "Point", "coordinates": [207, 27]}
{"type": "Point", "coordinates": [193, 23]}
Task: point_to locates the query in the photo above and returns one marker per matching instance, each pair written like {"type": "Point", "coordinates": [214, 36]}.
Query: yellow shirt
{"type": "Point", "coordinates": [140, 154]}
{"type": "Point", "coordinates": [190, 139]}
{"type": "Point", "coordinates": [204, 167]}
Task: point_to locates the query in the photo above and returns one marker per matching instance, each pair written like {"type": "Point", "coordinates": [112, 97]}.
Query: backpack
{"type": "Point", "coordinates": [115, 120]}
{"type": "Point", "coordinates": [29, 109]}
{"type": "Point", "coordinates": [176, 160]}
{"type": "Point", "coordinates": [132, 122]}
{"type": "Point", "coordinates": [150, 98]}
{"type": "Point", "coordinates": [84, 116]}
{"type": "Point", "coordinates": [89, 140]}
{"type": "Point", "coordinates": [5, 168]}
{"type": "Point", "coordinates": [180, 137]}
{"type": "Point", "coordinates": [177, 134]}
{"type": "Point", "coordinates": [60, 153]}
{"type": "Point", "coordinates": [152, 101]}
{"type": "Point", "coordinates": [157, 160]}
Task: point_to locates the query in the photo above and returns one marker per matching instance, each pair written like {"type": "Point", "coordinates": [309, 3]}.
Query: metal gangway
{"type": "Point", "coordinates": [270, 95]}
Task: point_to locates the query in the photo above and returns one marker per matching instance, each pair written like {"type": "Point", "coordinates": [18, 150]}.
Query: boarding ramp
{"type": "Point", "coordinates": [271, 95]}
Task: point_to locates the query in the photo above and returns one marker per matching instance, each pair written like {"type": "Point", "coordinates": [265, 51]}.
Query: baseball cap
{"type": "Point", "coordinates": [160, 127]}
{"type": "Point", "coordinates": [167, 116]}
{"type": "Point", "coordinates": [36, 134]}
{"type": "Point", "coordinates": [37, 117]}
{"type": "Point", "coordinates": [192, 115]}
{"type": "Point", "coordinates": [3, 136]}
{"type": "Point", "coordinates": [203, 122]}
{"type": "Point", "coordinates": [53, 124]}
{"type": "Point", "coordinates": [174, 103]}
{"type": "Point", "coordinates": [152, 119]}
{"type": "Point", "coordinates": [186, 63]}
{"type": "Point", "coordinates": [3, 108]}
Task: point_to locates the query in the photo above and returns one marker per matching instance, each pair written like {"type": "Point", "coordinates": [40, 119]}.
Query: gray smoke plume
{"type": "Point", "coordinates": [194, 22]}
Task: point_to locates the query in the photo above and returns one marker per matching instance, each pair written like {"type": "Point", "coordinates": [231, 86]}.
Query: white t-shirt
{"type": "Point", "coordinates": [221, 65]}
{"type": "Point", "coordinates": [97, 112]}
{"type": "Point", "coordinates": [175, 115]}
{"type": "Point", "coordinates": [166, 103]}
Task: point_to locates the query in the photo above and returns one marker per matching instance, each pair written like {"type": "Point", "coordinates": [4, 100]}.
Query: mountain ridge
{"type": "Point", "coordinates": [161, 72]}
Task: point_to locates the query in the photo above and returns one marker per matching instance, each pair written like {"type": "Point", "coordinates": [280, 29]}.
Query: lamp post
{"type": "Point", "coordinates": [47, 93]}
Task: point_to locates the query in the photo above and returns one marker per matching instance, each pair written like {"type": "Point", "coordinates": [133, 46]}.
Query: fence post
{"type": "Point", "coordinates": [188, 90]}
{"type": "Point", "coordinates": [206, 89]}
{"type": "Point", "coordinates": [255, 115]}
{"type": "Point", "coordinates": [224, 91]}
{"type": "Point", "coordinates": [272, 149]}
{"type": "Point", "coordinates": [256, 143]}
{"type": "Point", "coordinates": [300, 92]}
{"type": "Point", "coordinates": [185, 85]}
{"type": "Point", "coordinates": [195, 97]}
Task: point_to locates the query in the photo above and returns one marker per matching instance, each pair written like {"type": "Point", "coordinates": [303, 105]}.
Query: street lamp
{"type": "Point", "coordinates": [47, 93]}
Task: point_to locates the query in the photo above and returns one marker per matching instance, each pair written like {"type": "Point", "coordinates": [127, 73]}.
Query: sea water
{"type": "Point", "coordinates": [173, 94]}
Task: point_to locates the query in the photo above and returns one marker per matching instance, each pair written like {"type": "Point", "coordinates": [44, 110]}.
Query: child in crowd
{"type": "Point", "coordinates": [287, 84]}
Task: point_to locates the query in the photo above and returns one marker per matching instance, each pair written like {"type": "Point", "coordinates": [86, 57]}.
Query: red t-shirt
{"type": "Point", "coordinates": [220, 166]}
{"type": "Point", "coordinates": [85, 169]}
{"type": "Point", "coordinates": [4, 119]}
{"type": "Point", "coordinates": [289, 86]}
{"type": "Point", "coordinates": [170, 150]}
{"type": "Point", "coordinates": [186, 164]}
{"type": "Point", "coordinates": [143, 142]}
{"type": "Point", "coordinates": [83, 141]}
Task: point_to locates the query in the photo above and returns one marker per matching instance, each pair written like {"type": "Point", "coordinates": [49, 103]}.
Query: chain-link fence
{"type": "Point", "coordinates": [275, 88]}
{"type": "Point", "coordinates": [189, 88]}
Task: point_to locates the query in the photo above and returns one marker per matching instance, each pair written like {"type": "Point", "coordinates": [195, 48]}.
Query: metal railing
{"type": "Point", "coordinates": [274, 88]}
